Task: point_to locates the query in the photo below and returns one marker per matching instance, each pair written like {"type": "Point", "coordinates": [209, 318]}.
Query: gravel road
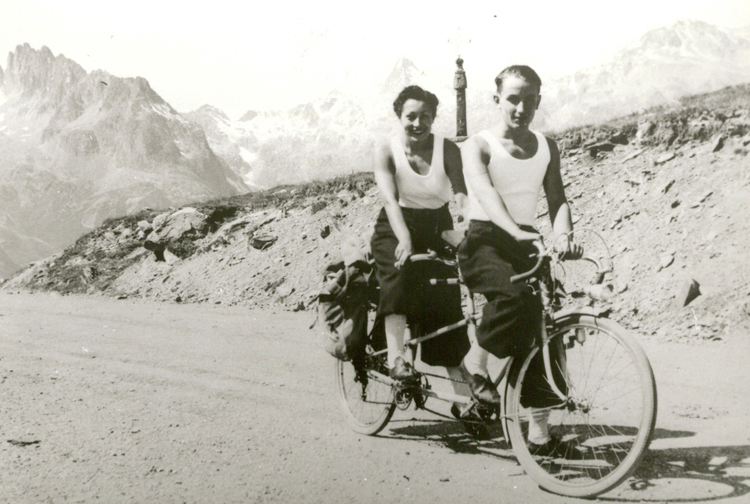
{"type": "Point", "coordinates": [133, 401]}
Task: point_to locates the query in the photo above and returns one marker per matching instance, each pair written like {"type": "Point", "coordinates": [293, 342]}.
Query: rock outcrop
{"type": "Point", "coordinates": [78, 148]}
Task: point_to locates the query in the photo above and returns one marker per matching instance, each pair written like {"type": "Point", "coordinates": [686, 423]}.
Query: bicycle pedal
{"type": "Point", "coordinates": [485, 412]}
{"type": "Point", "coordinates": [466, 413]}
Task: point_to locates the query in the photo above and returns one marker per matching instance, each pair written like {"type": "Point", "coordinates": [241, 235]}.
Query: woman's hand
{"type": "Point", "coordinates": [404, 249]}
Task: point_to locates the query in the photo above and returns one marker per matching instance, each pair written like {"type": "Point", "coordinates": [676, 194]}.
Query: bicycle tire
{"type": "Point", "coordinates": [608, 430]}
{"type": "Point", "coordinates": [367, 407]}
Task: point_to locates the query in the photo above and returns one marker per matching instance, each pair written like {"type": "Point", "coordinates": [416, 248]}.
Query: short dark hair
{"type": "Point", "coordinates": [523, 71]}
{"type": "Point", "coordinates": [415, 93]}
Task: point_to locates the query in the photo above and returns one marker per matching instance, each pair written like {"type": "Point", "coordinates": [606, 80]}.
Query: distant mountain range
{"type": "Point", "coordinates": [665, 64]}
{"type": "Point", "coordinates": [334, 135]}
{"type": "Point", "coordinates": [77, 147]}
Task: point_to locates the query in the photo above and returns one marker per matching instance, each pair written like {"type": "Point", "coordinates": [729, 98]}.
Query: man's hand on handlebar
{"type": "Point", "coordinates": [522, 236]}
{"type": "Point", "coordinates": [567, 248]}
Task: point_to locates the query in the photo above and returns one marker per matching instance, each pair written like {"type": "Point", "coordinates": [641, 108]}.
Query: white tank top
{"type": "Point", "coordinates": [517, 181]}
{"type": "Point", "coordinates": [429, 191]}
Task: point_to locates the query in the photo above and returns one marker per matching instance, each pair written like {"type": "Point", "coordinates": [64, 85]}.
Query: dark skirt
{"type": "Point", "coordinates": [406, 291]}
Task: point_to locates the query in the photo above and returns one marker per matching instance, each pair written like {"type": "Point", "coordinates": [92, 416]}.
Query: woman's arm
{"type": "Point", "coordinates": [559, 210]}
{"type": "Point", "coordinates": [476, 156]}
{"type": "Point", "coordinates": [384, 170]}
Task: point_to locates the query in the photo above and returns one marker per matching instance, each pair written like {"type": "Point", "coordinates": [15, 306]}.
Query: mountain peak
{"type": "Point", "coordinates": [689, 38]}
{"type": "Point", "coordinates": [30, 71]}
{"type": "Point", "coordinates": [404, 73]}
{"type": "Point", "coordinates": [212, 111]}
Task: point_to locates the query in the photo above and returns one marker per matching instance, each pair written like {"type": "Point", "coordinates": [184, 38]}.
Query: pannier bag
{"type": "Point", "coordinates": [342, 309]}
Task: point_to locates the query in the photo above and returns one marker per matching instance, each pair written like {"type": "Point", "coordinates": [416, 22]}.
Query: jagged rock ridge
{"type": "Point", "coordinates": [77, 148]}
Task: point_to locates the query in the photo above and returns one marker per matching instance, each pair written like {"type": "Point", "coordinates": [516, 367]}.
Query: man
{"type": "Point", "coordinates": [505, 168]}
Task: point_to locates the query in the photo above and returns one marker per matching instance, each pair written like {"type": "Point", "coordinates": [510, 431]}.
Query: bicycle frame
{"type": "Point", "coordinates": [544, 286]}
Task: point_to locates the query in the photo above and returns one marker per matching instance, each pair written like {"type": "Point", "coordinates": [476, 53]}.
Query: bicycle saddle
{"type": "Point", "coordinates": [453, 238]}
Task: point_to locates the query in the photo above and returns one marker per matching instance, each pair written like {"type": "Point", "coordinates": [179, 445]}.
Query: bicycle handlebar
{"type": "Point", "coordinates": [540, 256]}
{"type": "Point", "coordinates": [431, 256]}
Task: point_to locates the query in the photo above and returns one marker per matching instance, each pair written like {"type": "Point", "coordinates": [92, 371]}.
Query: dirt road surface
{"type": "Point", "coordinates": [129, 401]}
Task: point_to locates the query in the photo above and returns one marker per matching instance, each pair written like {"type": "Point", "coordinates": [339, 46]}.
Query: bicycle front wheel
{"type": "Point", "coordinates": [601, 430]}
{"type": "Point", "coordinates": [368, 402]}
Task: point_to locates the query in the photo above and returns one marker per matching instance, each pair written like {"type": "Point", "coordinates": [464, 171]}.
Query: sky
{"type": "Point", "coordinates": [252, 55]}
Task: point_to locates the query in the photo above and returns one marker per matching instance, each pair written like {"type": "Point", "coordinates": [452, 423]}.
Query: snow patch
{"type": "Point", "coordinates": [247, 156]}
{"type": "Point", "coordinates": [163, 110]}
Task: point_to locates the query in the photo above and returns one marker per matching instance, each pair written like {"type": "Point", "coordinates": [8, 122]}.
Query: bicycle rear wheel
{"type": "Point", "coordinates": [602, 431]}
{"type": "Point", "coordinates": [367, 401]}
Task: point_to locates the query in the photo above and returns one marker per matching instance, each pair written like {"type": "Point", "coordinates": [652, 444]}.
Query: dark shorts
{"type": "Point", "coordinates": [488, 257]}
{"type": "Point", "coordinates": [511, 318]}
{"type": "Point", "coordinates": [406, 291]}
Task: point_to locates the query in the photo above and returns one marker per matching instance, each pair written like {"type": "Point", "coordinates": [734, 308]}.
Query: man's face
{"type": "Point", "coordinates": [518, 101]}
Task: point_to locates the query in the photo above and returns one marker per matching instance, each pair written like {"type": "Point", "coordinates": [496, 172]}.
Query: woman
{"type": "Point", "coordinates": [415, 171]}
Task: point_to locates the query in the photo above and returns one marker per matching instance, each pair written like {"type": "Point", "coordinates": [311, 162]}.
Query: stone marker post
{"type": "Point", "coordinates": [459, 84]}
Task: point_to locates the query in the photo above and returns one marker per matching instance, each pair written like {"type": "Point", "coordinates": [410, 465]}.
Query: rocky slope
{"type": "Point", "coordinates": [666, 190]}
{"type": "Point", "coordinates": [77, 148]}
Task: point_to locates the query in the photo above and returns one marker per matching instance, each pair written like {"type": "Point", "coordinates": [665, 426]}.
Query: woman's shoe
{"type": "Point", "coordinates": [402, 370]}
{"type": "Point", "coordinates": [481, 387]}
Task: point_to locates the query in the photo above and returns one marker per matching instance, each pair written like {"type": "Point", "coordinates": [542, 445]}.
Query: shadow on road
{"type": "Point", "coordinates": [688, 475]}
{"type": "Point", "coordinates": [672, 475]}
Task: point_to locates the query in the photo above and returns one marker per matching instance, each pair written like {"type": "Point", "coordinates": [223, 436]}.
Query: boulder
{"type": "Point", "coordinates": [157, 248]}
{"type": "Point", "coordinates": [159, 220]}
{"type": "Point", "coordinates": [717, 144]}
{"type": "Point", "coordinates": [620, 138]}
{"type": "Point", "coordinates": [645, 130]}
{"type": "Point", "coordinates": [666, 260]}
{"type": "Point", "coordinates": [262, 241]}
{"type": "Point", "coordinates": [667, 186]}
{"type": "Point", "coordinates": [595, 149]}
{"type": "Point", "coordinates": [667, 156]}
{"type": "Point", "coordinates": [688, 292]}
{"type": "Point", "coordinates": [633, 155]}
{"type": "Point", "coordinates": [174, 226]}
{"type": "Point", "coordinates": [284, 290]}
{"type": "Point", "coordinates": [666, 134]}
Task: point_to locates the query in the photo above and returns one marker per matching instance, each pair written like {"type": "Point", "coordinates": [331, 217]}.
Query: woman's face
{"type": "Point", "coordinates": [417, 118]}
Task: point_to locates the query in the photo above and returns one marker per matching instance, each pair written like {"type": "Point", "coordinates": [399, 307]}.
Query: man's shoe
{"type": "Point", "coordinates": [556, 448]}
{"type": "Point", "coordinates": [402, 370]}
{"type": "Point", "coordinates": [481, 387]}
{"type": "Point", "coordinates": [473, 425]}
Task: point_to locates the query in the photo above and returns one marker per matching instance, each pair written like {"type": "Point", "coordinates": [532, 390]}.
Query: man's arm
{"type": "Point", "coordinates": [559, 210]}
{"type": "Point", "coordinates": [384, 171]}
{"type": "Point", "coordinates": [476, 155]}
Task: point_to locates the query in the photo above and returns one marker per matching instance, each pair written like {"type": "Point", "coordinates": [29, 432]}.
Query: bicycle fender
{"type": "Point", "coordinates": [560, 316]}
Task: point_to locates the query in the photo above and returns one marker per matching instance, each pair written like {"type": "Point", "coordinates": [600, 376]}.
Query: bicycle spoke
{"type": "Point", "coordinates": [599, 436]}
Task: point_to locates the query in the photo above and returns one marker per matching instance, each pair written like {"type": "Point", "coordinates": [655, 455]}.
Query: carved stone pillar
{"type": "Point", "coordinates": [459, 84]}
